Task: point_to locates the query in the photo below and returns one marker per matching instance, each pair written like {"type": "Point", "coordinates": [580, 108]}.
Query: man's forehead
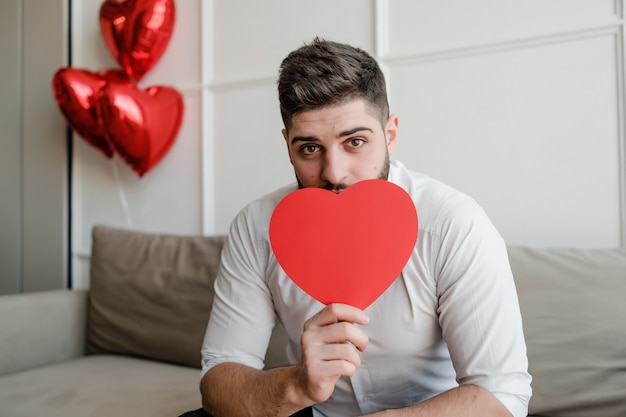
{"type": "Point", "coordinates": [338, 118]}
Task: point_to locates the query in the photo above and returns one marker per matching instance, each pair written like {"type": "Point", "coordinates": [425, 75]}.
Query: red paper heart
{"type": "Point", "coordinates": [141, 125]}
{"type": "Point", "coordinates": [75, 92]}
{"type": "Point", "coordinates": [348, 247]}
{"type": "Point", "coordinates": [137, 32]}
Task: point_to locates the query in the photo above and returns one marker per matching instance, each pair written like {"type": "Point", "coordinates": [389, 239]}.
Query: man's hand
{"type": "Point", "coordinates": [330, 341]}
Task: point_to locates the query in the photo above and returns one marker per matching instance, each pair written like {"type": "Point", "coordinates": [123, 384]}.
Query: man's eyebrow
{"type": "Point", "coordinates": [304, 139]}
{"type": "Point", "coordinates": [353, 131]}
{"type": "Point", "coordinates": [340, 135]}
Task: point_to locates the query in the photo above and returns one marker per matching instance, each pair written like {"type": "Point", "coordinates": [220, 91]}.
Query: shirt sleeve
{"type": "Point", "coordinates": [242, 315]}
{"type": "Point", "coordinates": [478, 307]}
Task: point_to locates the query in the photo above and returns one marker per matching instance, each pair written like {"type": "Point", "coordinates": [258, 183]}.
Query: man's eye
{"type": "Point", "coordinates": [356, 142]}
{"type": "Point", "coordinates": [309, 149]}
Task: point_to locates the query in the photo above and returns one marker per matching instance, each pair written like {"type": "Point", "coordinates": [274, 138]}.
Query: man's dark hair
{"type": "Point", "coordinates": [325, 73]}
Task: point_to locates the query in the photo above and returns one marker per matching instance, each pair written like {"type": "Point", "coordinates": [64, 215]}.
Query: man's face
{"type": "Point", "coordinates": [338, 146]}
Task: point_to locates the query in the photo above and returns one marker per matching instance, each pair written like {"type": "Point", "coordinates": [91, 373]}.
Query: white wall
{"type": "Point", "coordinates": [520, 104]}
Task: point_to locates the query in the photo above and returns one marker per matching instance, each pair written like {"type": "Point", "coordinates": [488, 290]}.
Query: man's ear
{"type": "Point", "coordinates": [286, 136]}
{"type": "Point", "coordinates": [391, 133]}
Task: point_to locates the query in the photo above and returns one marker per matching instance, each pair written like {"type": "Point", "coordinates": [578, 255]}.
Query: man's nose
{"type": "Point", "coordinates": [335, 169]}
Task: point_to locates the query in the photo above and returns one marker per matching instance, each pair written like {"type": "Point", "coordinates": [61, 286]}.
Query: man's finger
{"type": "Point", "coordinates": [334, 313]}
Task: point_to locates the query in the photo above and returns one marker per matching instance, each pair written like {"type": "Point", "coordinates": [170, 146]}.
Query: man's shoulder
{"type": "Point", "coordinates": [259, 211]}
{"type": "Point", "coordinates": [437, 203]}
{"type": "Point", "coordinates": [271, 199]}
{"type": "Point", "coordinates": [423, 189]}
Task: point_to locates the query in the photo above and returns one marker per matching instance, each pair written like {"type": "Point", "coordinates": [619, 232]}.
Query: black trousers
{"type": "Point", "coordinates": [307, 412]}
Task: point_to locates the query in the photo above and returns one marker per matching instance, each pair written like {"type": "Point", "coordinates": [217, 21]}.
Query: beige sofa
{"type": "Point", "coordinates": [129, 346]}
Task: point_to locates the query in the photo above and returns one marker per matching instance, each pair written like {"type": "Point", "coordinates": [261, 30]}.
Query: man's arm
{"type": "Point", "coordinates": [466, 400]}
{"type": "Point", "coordinates": [233, 389]}
{"type": "Point", "coordinates": [330, 341]}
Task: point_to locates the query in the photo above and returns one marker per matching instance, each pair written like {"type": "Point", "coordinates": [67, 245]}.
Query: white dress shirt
{"type": "Point", "coordinates": [452, 316]}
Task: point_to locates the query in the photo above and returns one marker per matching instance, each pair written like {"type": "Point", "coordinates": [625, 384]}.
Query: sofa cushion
{"type": "Point", "coordinates": [573, 308]}
{"type": "Point", "coordinates": [101, 386]}
{"type": "Point", "coordinates": [151, 294]}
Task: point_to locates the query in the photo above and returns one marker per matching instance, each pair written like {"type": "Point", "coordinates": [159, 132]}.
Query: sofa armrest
{"type": "Point", "coordinates": [41, 328]}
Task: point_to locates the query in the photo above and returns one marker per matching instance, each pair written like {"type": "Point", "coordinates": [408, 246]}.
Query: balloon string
{"type": "Point", "coordinates": [122, 195]}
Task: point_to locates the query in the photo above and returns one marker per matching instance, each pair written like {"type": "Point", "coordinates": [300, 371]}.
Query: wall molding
{"type": "Point", "coordinates": [620, 42]}
{"type": "Point", "coordinates": [381, 28]}
{"type": "Point", "coordinates": [504, 46]}
{"type": "Point", "coordinates": [207, 144]}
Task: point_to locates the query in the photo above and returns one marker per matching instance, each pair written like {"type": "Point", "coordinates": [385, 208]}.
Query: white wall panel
{"type": "Point", "coordinates": [422, 26]}
{"type": "Point", "coordinates": [250, 154]}
{"type": "Point", "coordinates": [252, 37]}
{"type": "Point", "coordinates": [532, 133]}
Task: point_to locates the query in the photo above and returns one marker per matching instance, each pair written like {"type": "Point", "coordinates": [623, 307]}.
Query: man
{"type": "Point", "coordinates": [445, 339]}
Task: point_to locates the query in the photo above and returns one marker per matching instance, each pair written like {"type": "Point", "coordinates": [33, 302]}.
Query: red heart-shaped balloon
{"type": "Point", "coordinates": [75, 91]}
{"type": "Point", "coordinates": [348, 247]}
{"type": "Point", "coordinates": [137, 32]}
{"type": "Point", "coordinates": [140, 125]}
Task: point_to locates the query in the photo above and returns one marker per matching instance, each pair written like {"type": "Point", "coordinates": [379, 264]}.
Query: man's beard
{"type": "Point", "coordinates": [383, 175]}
